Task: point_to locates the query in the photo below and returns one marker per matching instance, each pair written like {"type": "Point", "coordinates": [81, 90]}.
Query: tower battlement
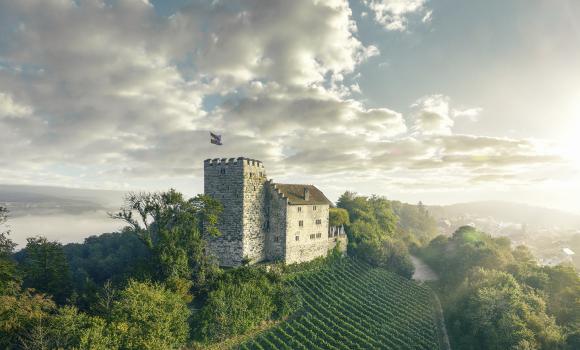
{"type": "Point", "coordinates": [238, 183]}
{"type": "Point", "coordinates": [233, 162]}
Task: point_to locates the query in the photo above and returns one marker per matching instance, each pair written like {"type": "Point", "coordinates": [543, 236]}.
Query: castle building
{"type": "Point", "coordinates": [266, 221]}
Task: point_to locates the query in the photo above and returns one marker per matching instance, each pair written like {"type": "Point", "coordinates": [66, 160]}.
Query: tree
{"type": "Point", "coordinates": [110, 257]}
{"type": "Point", "coordinates": [338, 217]}
{"type": "Point", "coordinates": [46, 269]}
{"type": "Point", "coordinates": [242, 299]}
{"type": "Point", "coordinates": [388, 253]}
{"type": "Point", "coordinates": [374, 235]}
{"type": "Point", "coordinates": [8, 276]}
{"type": "Point", "coordinates": [23, 319]}
{"type": "Point", "coordinates": [493, 311]}
{"type": "Point", "coordinates": [172, 228]}
{"type": "Point", "coordinates": [71, 329]}
{"type": "Point", "coordinates": [150, 316]}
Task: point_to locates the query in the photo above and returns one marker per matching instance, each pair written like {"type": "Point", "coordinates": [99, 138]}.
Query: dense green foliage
{"type": "Point", "coordinates": [153, 286]}
{"type": "Point", "coordinates": [241, 300]}
{"type": "Point", "coordinates": [113, 257]}
{"type": "Point", "coordinates": [172, 229]}
{"type": "Point", "coordinates": [338, 217]}
{"type": "Point", "coordinates": [143, 316]}
{"type": "Point", "coordinates": [8, 275]}
{"type": "Point", "coordinates": [415, 225]}
{"type": "Point", "coordinates": [149, 316]}
{"type": "Point", "coordinates": [348, 304]}
{"type": "Point", "coordinates": [373, 234]}
{"type": "Point", "coordinates": [46, 270]}
{"type": "Point", "coordinates": [498, 298]}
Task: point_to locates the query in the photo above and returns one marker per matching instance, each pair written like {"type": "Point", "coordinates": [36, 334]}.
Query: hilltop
{"type": "Point", "coordinates": [533, 216]}
{"type": "Point", "coordinates": [348, 304]}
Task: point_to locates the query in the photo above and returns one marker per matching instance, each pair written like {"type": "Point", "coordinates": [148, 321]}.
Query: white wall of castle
{"type": "Point", "coordinates": [307, 232]}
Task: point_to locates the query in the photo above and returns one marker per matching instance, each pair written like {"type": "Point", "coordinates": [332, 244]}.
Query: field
{"type": "Point", "coordinates": [351, 305]}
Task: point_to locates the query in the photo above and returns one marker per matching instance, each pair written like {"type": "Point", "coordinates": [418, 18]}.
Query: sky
{"type": "Point", "coordinates": [434, 100]}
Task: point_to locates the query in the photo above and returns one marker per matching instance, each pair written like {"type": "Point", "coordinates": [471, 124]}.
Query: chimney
{"type": "Point", "coordinates": [306, 194]}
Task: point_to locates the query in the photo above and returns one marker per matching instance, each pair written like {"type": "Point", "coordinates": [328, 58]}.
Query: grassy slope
{"type": "Point", "coordinates": [350, 305]}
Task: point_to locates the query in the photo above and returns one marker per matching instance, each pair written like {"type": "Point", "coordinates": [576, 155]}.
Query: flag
{"type": "Point", "coordinates": [215, 139]}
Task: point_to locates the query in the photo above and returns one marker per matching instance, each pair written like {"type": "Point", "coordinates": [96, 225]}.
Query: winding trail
{"type": "Point", "coordinates": [423, 273]}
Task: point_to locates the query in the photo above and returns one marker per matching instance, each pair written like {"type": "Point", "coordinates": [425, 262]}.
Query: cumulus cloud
{"type": "Point", "coordinates": [393, 14]}
{"type": "Point", "coordinates": [101, 92]}
{"type": "Point", "coordinates": [10, 108]}
{"type": "Point", "coordinates": [431, 115]}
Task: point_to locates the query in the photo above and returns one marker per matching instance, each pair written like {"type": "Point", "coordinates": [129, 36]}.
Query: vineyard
{"type": "Point", "coordinates": [350, 305]}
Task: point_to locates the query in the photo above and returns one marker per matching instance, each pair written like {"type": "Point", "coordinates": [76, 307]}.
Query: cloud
{"type": "Point", "coordinates": [251, 40]}
{"type": "Point", "coordinates": [95, 93]}
{"type": "Point", "coordinates": [469, 113]}
{"type": "Point", "coordinates": [11, 109]}
{"type": "Point", "coordinates": [431, 115]}
{"type": "Point", "coordinates": [393, 14]}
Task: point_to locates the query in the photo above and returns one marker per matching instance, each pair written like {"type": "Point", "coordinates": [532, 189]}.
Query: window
{"type": "Point", "coordinates": [312, 236]}
{"type": "Point", "coordinates": [314, 207]}
{"type": "Point", "coordinates": [276, 238]}
{"type": "Point", "coordinates": [318, 235]}
{"type": "Point", "coordinates": [222, 171]}
{"type": "Point", "coordinates": [301, 223]}
{"type": "Point", "coordinates": [299, 209]}
{"type": "Point", "coordinates": [297, 238]}
{"type": "Point", "coordinates": [318, 222]}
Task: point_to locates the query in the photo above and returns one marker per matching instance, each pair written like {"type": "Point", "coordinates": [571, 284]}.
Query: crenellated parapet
{"type": "Point", "coordinates": [233, 162]}
{"type": "Point", "coordinates": [274, 188]}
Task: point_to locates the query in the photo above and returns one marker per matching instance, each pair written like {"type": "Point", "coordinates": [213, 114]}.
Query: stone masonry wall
{"type": "Point", "coordinates": [312, 240]}
{"type": "Point", "coordinates": [341, 241]}
{"type": "Point", "coordinates": [254, 211]}
{"type": "Point", "coordinates": [238, 183]}
{"type": "Point", "coordinates": [224, 181]}
{"type": "Point", "coordinates": [276, 225]}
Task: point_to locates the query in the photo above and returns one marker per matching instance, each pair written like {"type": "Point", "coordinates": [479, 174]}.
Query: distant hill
{"type": "Point", "coordinates": [23, 200]}
{"type": "Point", "coordinates": [509, 212]}
{"type": "Point", "coordinates": [59, 213]}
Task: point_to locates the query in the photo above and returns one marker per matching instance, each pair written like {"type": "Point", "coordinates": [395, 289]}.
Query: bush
{"type": "Point", "coordinates": [388, 253]}
{"type": "Point", "coordinates": [242, 299]}
{"type": "Point", "coordinates": [149, 316]}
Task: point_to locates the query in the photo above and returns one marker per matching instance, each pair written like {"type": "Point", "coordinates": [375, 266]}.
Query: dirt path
{"type": "Point", "coordinates": [422, 271]}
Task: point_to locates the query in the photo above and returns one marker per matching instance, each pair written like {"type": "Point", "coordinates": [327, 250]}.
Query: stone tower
{"type": "Point", "coordinates": [239, 184]}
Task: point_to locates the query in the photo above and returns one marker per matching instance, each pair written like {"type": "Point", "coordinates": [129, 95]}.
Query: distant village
{"type": "Point", "coordinates": [550, 245]}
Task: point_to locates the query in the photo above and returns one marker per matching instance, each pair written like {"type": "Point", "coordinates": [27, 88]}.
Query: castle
{"type": "Point", "coordinates": [265, 221]}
